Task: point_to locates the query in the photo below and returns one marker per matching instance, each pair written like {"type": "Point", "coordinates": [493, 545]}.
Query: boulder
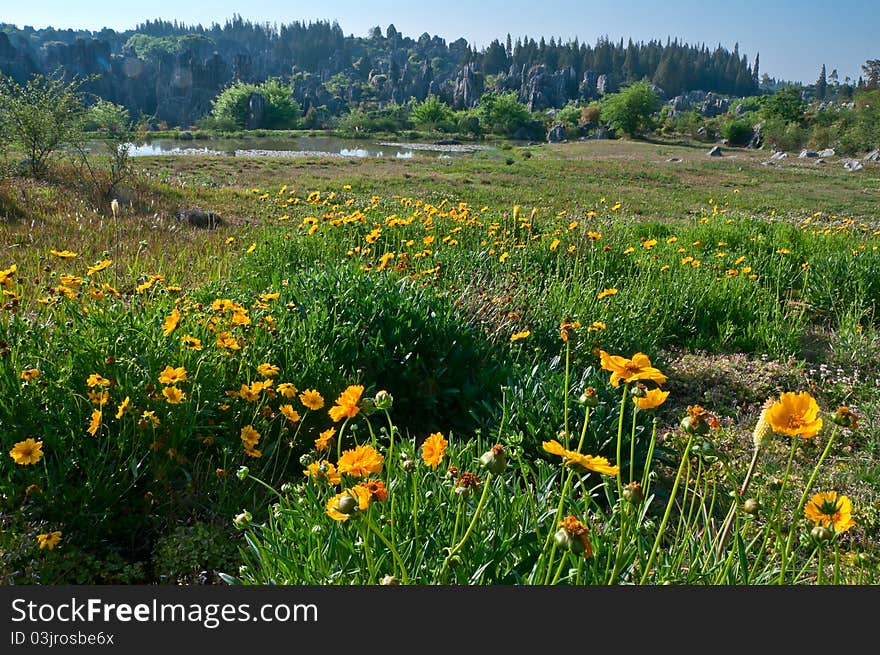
{"type": "Point", "coordinates": [828, 152]}
{"type": "Point", "coordinates": [874, 155]}
{"type": "Point", "coordinates": [779, 155]}
{"type": "Point", "coordinates": [806, 152]}
{"type": "Point", "coordinates": [714, 152]}
{"type": "Point", "coordinates": [200, 218]}
{"type": "Point", "coordinates": [556, 134]}
{"type": "Point", "coordinates": [853, 165]}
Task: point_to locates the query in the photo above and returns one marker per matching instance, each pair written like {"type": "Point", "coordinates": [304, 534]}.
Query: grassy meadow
{"type": "Point", "coordinates": [584, 363]}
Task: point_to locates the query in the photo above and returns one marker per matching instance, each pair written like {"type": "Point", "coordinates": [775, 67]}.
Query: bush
{"type": "Point", "coordinates": [433, 114]}
{"type": "Point", "coordinates": [631, 109]}
{"type": "Point", "coordinates": [737, 132]}
{"type": "Point", "coordinates": [42, 117]}
{"type": "Point", "coordinates": [281, 111]}
{"type": "Point", "coordinates": [503, 114]}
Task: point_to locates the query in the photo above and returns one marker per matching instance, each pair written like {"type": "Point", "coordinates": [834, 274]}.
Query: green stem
{"type": "Point", "coordinates": [390, 548]}
{"type": "Point", "coordinates": [467, 533]}
{"type": "Point", "coordinates": [558, 570]}
{"type": "Point", "coordinates": [802, 501]}
{"type": "Point", "coordinates": [620, 436]}
{"type": "Point", "coordinates": [821, 565]}
{"type": "Point", "coordinates": [632, 443]}
{"type": "Point", "coordinates": [685, 457]}
{"type": "Point", "coordinates": [567, 382]}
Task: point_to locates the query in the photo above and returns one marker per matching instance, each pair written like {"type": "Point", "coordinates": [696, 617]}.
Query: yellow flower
{"type": "Point", "coordinates": [795, 414]}
{"type": "Point", "coordinates": [325, 471]}
{"type": "Point", "coordinates": [100, 397]}
{"type": "Point", "coordinates": [94, 422]}
{"type": "Point", "coordinates": [520, 335]}
{"type": "Point", "coordinates": [30, 374]}
{"type": "Point", "coordinates": [289, 413]}
{"type": "Point", "coordinates": [341, 506]}
{"type": "Point", "coordinates": [433, 449]}
{"type": "Point", "coordinates": [27, 452]}
{"type": "Point", "coordinates": [268, 370]}
{"type": "Point", "coordinates": [830, 510]}
{"type": "Point", "coordinates": [312, 399]}
{"type": "Point", "coordinates": [325, 439]}
{"type": "Point", "coordinates": [589, 462]}
{"type": "Point", "coordinates": [191, 342]}
{"type": "Point", "coordinates": [347, 404]}
{"type": "Point", "coordinates": [171, 375]}
{"type": "Point", "coordinates": [629, 370]}
{"type": "Point", "coordinates": [287, 390]}
{"type": "Point", "coordinates": [123, 407]}
{"type": "Point", "coordinates": [250, 438]}
{"type": "Point", "coordinates": [228, 340]}
{"type": "Point", "coordinates": [653, 398]}
{"type": "Point", "coordinates": [606, 293]}
{"type": "Point", "coordinates": [64, 254]}
{"type": "Point", "coordinates": [95, 380]}
{"type": "Point", "coordinates": [100, 266]}
{"type": "Point", "coordinates": [170, 323]}
{"type": "Point", "coordinates": [173, 395]}
{"type": "Point", "coordinates": [49, 540]}
{"type": "Point", "coordinates": [360, 462]}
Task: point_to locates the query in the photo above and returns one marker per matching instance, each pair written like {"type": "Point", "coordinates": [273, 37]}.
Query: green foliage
{"type": "Point", "coordinates": [737, 132]}
{"type": "Point", "coordinates": [781, 135]}
{"type": "Point", "coordinates": [43, 117]}
{"type": "Point", "coordinates": [281, 111]}
{"type": "Point", "coordinates": [503, 114]}
{"type": "Point", "coordinates": [631, 109]}
{"type": "Point", "coordinates": [786, 105]}
{"type": "Point", "coordinates": [432, 113]}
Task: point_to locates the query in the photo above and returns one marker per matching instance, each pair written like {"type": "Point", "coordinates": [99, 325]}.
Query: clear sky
{"type": "Point", "coordinates": [793, 37]}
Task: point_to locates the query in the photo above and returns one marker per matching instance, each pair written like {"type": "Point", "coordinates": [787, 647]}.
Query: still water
{"type": "Point", "coordinates": [302, 146]}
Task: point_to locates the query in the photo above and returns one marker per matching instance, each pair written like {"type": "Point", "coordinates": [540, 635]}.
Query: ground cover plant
{"type": "Point", "coordinates": [581, 368]}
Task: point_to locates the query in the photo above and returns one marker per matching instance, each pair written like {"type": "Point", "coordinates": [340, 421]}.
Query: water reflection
{"type": "Point", "coordinates": [298, 147]}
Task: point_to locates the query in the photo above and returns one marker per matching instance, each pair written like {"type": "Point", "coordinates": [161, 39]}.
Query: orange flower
{"type": "Point", "coordinates": [171, 375]}
{"type": "Point", "coordinates": [325, 439]}
{"type": "Point", "coordinates": [173, 395]}
{"type": "Point", "coordinates": [27, 452]}
{"type": "Point", "coordinates": [652, 399]}
{"type": "Point", "coordinates": [170, 323]}
{"type": "Point", "coordinates": [289, 413]}
{"type": "Point", "coordinates": [589, 462]}
{"type": "Point", "coordinates": [312, 399]}
{"type": "Point", "coordinates": [324, 471]}
{"type": "Point", "coordinates": [360, 462]}
{"type": "Point", "coordinates": [629, 370]}
{"type": "Point", "coordinates": [831, 511]}
{"type": "Point", "coordinates": [347, 405]}
{"type": "Point", "coordinates": [433, 449]}
{"type": "Point", "coordinates": [795, 414]}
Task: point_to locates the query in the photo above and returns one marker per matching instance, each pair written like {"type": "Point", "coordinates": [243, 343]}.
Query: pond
{"type": "Point", "coordinates": [301, 146]}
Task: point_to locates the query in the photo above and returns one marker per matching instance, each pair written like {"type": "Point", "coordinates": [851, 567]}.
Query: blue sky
{"type": "Point", "coordinates": [794, 38]}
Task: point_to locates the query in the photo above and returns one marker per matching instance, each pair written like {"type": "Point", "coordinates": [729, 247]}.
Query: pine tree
{"type": "Point", "coordinates": [821, 85]}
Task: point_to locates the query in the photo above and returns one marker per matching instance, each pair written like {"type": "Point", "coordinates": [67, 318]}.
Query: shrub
{"type": "Point", "coordinates": [737, 132]}
{"type": "Point", "coordinates": [631, 109]}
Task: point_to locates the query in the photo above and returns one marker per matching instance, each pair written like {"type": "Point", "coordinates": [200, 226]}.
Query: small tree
{"type": "Point", "coordinates": [786, 105]}
{"type": "Point", "coordinates": [502, 113]}
{"type": "Point", "coordinates": [631, 110]}
{"type": "Point", "coordinates": [432, 113]}
{"type": "Point", "coordinates": [42, 117]}
{"type": "Point", "coordinates": [116, 129]}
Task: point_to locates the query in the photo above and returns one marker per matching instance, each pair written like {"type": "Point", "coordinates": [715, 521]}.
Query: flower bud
{"type": "Point", "coordinates": [243, 472]}
{"type": "Point", "coordinates": [494, 459]}
{"type": "Point", "coordinates": [383, 400]}
{"type": "Point", "coordinates": [633, 493]}
{"type": "Point", "coordinates": [751, 506]}
{"type": "Point", "coordinates": [346, 504]}
{"type": "Point", "coordinates": [822, 534]}
{"type": "Point", "coordinates": [305, 459]}
{"type": "Point", "coordinates": [589, 398]}
{"type": "Point", "coordinates": [242, 520]}
{"type": "Point", "coordinates": [638, 390]}
{"type": "Point", "coordinates": [390, 580]}
{"type": "Point", "coordinates": [763, 432]}
{"type": "Point", "coordinates": [563, 539]}
{"type": "Point", "coordinates": [694, 426]}
{"type": "Point", "coordinates": [287, 488]}
{"type": "Point", "coordinates": [845, 418]}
